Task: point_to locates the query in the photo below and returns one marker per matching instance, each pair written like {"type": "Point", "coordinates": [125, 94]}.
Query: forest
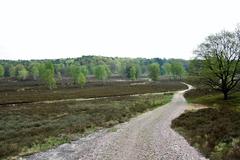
{"type": "Point", "coordinates": [80, 69]}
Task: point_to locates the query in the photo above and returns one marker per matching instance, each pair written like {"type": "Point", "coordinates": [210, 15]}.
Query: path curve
{"type": "Point", "coordinates": [145, 137]}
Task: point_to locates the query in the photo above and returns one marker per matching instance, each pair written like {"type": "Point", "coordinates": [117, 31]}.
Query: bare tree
{"type": "Point", "coordinates": [220, 54]}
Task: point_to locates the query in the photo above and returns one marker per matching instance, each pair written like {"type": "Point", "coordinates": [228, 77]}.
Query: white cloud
{"type": "Point", "coordinates": [126, 28]}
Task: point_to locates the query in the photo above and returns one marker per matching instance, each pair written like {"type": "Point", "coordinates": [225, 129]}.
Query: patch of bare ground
{"type": "Point", "coordinates": [193, 107]}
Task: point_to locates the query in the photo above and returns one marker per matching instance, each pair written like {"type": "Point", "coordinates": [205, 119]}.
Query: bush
{"type": "Point", "coordinates": [215, 132]}
{"type": "Point", "coordinates": [27, 128]}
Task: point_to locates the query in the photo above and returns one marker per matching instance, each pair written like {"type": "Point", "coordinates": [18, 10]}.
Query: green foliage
{"type": "Point", "coordinates": [59, 76]}
{"type": "Point", "coordinates": [84, 70]}
{"type": "Point", "coordinates": [109, 73]}
{"type": "Point", "coordinates": [59, 69]}
{"type": "Point", "coordinates": [81, 79]}
{"type": "Point", "coordinates": [1, 71]}
{"type": "Point", "coordinates": [12, 71]}
{"type": "Point", "coordinates": [213, 98]}
{"type": "Point", "coordinates": [177, 69]}
{"type": "Point", "coordinates": [117, 66]}
{"type": "Point", "coordinates": [46, 73]}
{"type": "Point", "coordinates": [74, 71]}
{"type": "Point", "coordinates": [220, 58]}
{"type": "Point", "coordinates": [102, 72]}
{"type": "Point", "coordinates": [35, 71]}
{"type": "Point", "coordinates": [195, 67]}
{"type": "Point", "coordinates": [22, 74]}
{"type": "Point", "coordinates": [78, 74]}
{"type": "Point", "coordinates": [19, 72]}
{"type": "Point", "coordinates": [167, 67]}
{"type": "Point", "coordinates": [133, 73]}
{"type": "Point", "coordinates": [48, 143]}
{"type": "Point", "coordinates": [154, 71]}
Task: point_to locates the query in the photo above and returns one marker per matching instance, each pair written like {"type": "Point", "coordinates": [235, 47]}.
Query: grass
{"type": "Point", "coordinates": [213, 98]}
{"type": "Point", "coordinates": [26, 128]}
{"type": "Point", "coordinates": [215, 131]}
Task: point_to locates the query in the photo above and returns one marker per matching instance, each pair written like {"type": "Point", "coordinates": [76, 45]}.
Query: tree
{"type": "Point", "coordinates": [109, 73]}
{"type": "Point", "coordinates": [59, 76]}
{"type": "Point", "coordinates": [35, 71]}
{"type": "Point", "coordinates": [7, 69]}
{"type": "Point", "coordinates": [167, 67]}
{"type": "Point", "coordinates": [101, 72]}
{"type": "Point", "coordinates": [195, 67]}
{"type": "Point", "coordinates": [22, 74]}
{"type": "Point", "coordinates": [78, 74]}
{"type": "Point", "coordinates": [59, 68]}
{"type": "Point", "coordinates": [81, 79]}
{"type": "Point", "coordinates": [154, 71]}
{"type": "Point", "coordinates": [12, 71]}
{"type": "Point", "coordinates": [177, 69]}
{"type": "Point", "coordinates": [115, 66]}
{"type": "Point", "coordinates": [133, 73]}
{"type": "Point", "coordinates": [1, 71]}
{"type": "Point", "coordinates": [46, 72]}
{"type": "Point", "coordinates": [220, 54]}
{"type": "Point", "coordinates": [84, 70]}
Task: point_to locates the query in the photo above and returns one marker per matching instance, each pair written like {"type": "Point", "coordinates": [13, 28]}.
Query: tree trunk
{"type": "Point", "coordinates": [225, 95]}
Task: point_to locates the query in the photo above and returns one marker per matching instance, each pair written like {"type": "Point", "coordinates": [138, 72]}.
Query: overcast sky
{"type": "Point", "coordinates": [36, 29]}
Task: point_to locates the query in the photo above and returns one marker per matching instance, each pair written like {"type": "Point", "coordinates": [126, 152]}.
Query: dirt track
{"type": "Point", "coordinates": [146, 137]}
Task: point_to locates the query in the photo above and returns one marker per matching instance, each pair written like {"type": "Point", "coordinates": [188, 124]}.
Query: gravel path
{"type": "Point", "coordinates": [146, 137]}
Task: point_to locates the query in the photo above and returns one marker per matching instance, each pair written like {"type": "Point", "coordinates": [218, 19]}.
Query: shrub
{"type": "Point", "coordinates": [215, 132]}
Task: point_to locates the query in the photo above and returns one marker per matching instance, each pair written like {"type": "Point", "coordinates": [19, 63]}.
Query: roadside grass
{"type": "Point", "coordinates": [215, 131]}
{"type": "Point", "coordinates": [29, 128]}
{"type": "Point", "coordinates": [213, 99]}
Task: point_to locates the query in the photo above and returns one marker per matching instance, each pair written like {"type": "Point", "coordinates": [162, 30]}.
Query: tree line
{"type": "Point", "coordinates": [102, 68]}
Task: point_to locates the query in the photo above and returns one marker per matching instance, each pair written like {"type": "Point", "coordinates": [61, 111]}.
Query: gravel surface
{"type": "Point", "coordinates": [145, 137]}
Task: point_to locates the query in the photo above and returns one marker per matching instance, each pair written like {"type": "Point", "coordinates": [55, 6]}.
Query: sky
{"type": "Point", "coordinates": [47, 29]}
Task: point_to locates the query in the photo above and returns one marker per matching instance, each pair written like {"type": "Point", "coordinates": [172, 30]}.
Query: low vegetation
{"type": "Point", "coordinates": [31, 91]}
{"type": "Point", "coordinates": [26, 128]}
{"type": "Point", "coordinates": [215, 130]}
{"type": "Point", "coordinates": [32, 127]}
{"type": "Point", "coordinates": [213, 98]}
